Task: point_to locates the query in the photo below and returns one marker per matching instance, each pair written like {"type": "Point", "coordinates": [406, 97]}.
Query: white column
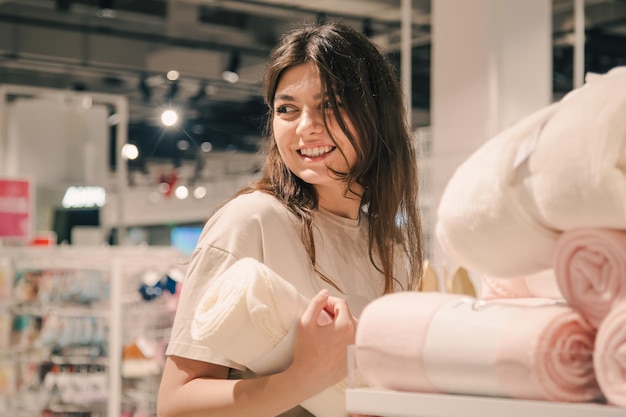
{"type": "Point", "coordinates": [491, 66]}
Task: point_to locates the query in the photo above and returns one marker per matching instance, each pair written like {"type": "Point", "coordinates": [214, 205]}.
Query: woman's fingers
{"type": "Point", "coordinates": [316, 307]}
{"type": "Point", "coordinates": [340, 310]}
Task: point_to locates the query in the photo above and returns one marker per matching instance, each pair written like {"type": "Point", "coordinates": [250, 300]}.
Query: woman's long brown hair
{"type": "Point", "coordinates": [354, 71]}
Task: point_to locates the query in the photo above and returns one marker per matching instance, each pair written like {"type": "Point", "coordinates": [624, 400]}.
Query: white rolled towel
{"type": "Point", "coordinates": [577, 170]}
{"type": "Point", "coordinates": [485, 218]}
{"type": "Point", "coordinates": [249, 314]}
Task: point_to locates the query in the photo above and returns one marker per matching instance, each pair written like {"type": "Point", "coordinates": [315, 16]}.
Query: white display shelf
{"type": "Point", "coordinates": [384, 403]}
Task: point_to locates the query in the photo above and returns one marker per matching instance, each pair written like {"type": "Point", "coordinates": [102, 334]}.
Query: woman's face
{"type": "Point", "coordinates": [304, 143]}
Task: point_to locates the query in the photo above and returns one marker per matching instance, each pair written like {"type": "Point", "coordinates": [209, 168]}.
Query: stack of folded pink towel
{"type": "Point", "coordinates": [539, 212]}
{"type": "Point", "coordinates": [590, 267]}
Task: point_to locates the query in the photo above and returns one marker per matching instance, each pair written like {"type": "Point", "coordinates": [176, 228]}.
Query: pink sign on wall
{"type": "Point", "coordinates": [15, 208]}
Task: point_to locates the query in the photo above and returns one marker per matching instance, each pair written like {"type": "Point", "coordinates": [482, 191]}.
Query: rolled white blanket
{"type": "Point", "coordinates": [484, 219]}
{"type": "Point", "coordinates": [435, 342]}
{"type": "Point", "coordinates": [577, 171]}
{"type": "Point", "coordinates": [249, 314]}
{"type": "Point", "coordinates": [560, 168]}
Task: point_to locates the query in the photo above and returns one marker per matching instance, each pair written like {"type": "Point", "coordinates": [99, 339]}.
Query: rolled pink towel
{"type": "Point", "coordinates": [436, 342]}
{"type": "Point", "coordinates": [609, 354]}
{"type": "Point", "coordinates": [590, 268]}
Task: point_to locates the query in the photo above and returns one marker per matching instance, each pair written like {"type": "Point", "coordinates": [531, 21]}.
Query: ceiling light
{"type": "Point", "coordinates": [181, 192]}
{"type": "Point", "coordinates": [231, 73]}
{"type": "Point", "coordinates": [172, 75]}
{"type": "Point", "coordinates": [200, 192]}
{"type": "Point", "coordinates": [169, 117]}
{"type": "Point", "coordinates": [130, 151]}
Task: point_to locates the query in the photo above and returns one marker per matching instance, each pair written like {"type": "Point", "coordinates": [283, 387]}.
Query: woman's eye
{"type": "Point", "coordinates": [284, 109]}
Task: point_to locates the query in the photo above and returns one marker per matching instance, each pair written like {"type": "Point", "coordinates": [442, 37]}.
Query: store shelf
{"type": "Point", "coordinates": [385, 403]}
{"type": "Point", "coordinates": [78, 308]}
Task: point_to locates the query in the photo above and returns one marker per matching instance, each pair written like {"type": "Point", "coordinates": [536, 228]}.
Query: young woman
{"type": "Point", "coordinates": [334, 213]}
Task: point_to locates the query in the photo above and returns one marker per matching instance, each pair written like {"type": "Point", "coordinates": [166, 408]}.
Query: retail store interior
{"type": "Point", "coordinates": [129, 121]}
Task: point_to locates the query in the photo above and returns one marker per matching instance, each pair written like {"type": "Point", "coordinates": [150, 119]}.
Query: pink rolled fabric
{"type": "Point", "coordinates": [608, 359]}
{"type": "Point", "coordinates": [590, 268]}
{"type": "Point", "coordinates": [536, 349]}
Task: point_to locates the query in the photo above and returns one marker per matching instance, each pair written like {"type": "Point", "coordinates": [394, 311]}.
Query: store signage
{"type": "Point", "coordinates": [84, 197]}
{"type": "Point", "coordinates": [16, 208]}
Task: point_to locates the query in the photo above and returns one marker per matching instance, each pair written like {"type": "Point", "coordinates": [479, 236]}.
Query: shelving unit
{"type": "Point", "coordinates": [52, 371]}
{"type": "Point", "coordinates": [384, 403]}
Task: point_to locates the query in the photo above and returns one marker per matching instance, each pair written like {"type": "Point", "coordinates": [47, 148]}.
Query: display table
{"type": "Point", "coordinates": [378, 402]}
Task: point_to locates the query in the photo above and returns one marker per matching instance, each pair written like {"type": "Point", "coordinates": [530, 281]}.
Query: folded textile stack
{"type": "Point", "coordinates": [560, 168]}
{"type": "Point", "coordinates": [249, 314]}
{"type": "Point", "coordinates": [590, 266]}
{"type": "Point", "coordinates": [450, 343]}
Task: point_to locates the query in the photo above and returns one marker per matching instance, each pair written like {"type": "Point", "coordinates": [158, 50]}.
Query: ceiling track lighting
{"type": "Point", "coordinates": [231, 73]}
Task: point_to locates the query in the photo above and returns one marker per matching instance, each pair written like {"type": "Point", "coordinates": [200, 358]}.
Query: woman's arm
{"type": "Point", "coordinates": [192, 388]}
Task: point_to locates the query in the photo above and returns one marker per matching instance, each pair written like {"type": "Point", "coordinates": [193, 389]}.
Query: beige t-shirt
{"type": "Point", "coordinates": [257, 225]}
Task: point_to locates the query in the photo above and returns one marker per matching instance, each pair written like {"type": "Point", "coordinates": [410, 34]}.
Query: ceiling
{"type": "Point", "coordinates": [127, 46]}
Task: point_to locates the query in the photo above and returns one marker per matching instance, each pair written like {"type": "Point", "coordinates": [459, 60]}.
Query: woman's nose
{"type": "Point", "coordinates": [310, 122]}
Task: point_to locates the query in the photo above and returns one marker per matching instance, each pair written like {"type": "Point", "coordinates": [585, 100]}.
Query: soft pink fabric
{"type": "Point", "coordinates": [609, 357]}
{"type": "Point", "coordinates": [542, 350]}
{"type": "Point", "coordinates": [590, 268]}
{"type": "Point", "coordinates": [390, 336]}
{"type": "Point", "coordinates": [542, 284]}
{"type": "Point", "coordinates": [547, 355]}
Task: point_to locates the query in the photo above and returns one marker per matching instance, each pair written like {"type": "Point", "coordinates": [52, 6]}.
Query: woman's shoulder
{"type": "Point", "coordinates": [256, 204]}
{"type": "Point", "coordinates": [242, 223]}
{"type": "Point", "coordinates": [245, 212]}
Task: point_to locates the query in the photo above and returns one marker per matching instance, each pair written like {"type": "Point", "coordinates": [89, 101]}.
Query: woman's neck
{"type": "Point", "coordinates": [334, 201]}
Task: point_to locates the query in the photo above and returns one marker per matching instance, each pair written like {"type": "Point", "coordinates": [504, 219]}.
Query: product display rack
{"type": "Point", "coordinates": [53, 371]}
{"type": "Point", "coordinates": [385, 403]}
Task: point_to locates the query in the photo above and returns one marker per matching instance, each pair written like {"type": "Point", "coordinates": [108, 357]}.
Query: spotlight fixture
{"type": "Point", "coordinates": [231, 73]}
{"type": "Point", "coordinates": [106, 8]}
{"type": "Point", "coordinates": [144, 88]}
{"type": "Point", "coordinates": [201, 94]}
{"type": "Point", "coordinates": [172, 91]}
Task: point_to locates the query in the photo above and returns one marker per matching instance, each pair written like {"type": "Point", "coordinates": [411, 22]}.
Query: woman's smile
{"type": "Point", "coordinates": [316, 152]}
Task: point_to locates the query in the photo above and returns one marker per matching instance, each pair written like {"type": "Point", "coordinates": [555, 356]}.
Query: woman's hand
{"type": "Point", "coordinates": [320, 349]}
